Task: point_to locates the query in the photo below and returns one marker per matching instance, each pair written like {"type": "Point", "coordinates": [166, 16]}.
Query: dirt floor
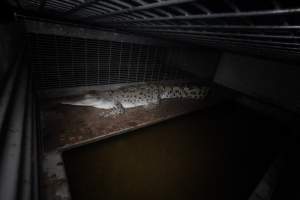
{"type": "Point", "coordinates": [67, 125]}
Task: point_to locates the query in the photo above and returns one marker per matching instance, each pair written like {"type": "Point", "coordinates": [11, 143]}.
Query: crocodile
{"type": "Point", "coordinates": [138, 95]}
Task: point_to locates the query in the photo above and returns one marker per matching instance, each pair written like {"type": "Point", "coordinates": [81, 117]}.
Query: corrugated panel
{"type": "Point", "coordinates": [60, 62]}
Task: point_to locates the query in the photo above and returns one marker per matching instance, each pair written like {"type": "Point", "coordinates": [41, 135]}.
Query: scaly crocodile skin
{"type": "Point", "coordinates": [139, 95]}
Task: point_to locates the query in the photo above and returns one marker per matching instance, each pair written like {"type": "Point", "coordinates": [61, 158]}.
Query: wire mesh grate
{"type": "Point", "coordinates": [60, 61]}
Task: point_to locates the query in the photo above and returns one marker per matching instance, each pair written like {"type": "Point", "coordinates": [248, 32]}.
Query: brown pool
{"type": "Point", "coordinates": [217, 153]}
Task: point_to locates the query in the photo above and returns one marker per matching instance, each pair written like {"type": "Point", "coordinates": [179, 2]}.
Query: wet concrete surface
{"type": "Point", "coordinates": [217, 153]}
{"type": "Point", "coordinates": [65, 125]}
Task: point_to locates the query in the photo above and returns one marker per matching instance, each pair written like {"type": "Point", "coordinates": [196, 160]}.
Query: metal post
{"type": "Point", "coordinates": [27, 149]}
{"type": "Point", "coordinates": [11, 154]}
{"type": "Point", "coordinates": [7, 92]}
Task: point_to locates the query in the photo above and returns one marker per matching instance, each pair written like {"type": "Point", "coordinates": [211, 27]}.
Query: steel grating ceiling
{"type": "Point", "coordinates": [271, 25]}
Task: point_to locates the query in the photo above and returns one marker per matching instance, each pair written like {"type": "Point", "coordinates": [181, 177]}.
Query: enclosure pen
{"type": "Point", "coordinates": [149, 99]}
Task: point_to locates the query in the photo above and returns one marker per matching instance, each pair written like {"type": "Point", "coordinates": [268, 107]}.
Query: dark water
{"type": "Point", "coordinates": [218, 153]}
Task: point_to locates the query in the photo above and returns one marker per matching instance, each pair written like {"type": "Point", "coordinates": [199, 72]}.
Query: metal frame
{"type": "Point", "coordinates": [40, 26]}
{"type": "Point", "coordinates": [18, 169]}
{"type": "Point", "coordinates": [273, 23]}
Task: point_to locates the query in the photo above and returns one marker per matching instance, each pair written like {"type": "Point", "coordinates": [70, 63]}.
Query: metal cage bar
{"type": "Point", "coordinates": [275, 21]}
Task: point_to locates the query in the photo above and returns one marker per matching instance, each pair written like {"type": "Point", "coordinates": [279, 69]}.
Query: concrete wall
{"type": "Point", "coordinates": [273, 81]}
{"type": "Point", "coordinates": [201, 62]}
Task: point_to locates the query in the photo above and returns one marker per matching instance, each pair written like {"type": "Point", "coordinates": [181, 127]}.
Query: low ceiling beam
{"type": "Point", "coordinates": [218, 15]}
{"type": "Point", "coordinates": [142, 7]}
